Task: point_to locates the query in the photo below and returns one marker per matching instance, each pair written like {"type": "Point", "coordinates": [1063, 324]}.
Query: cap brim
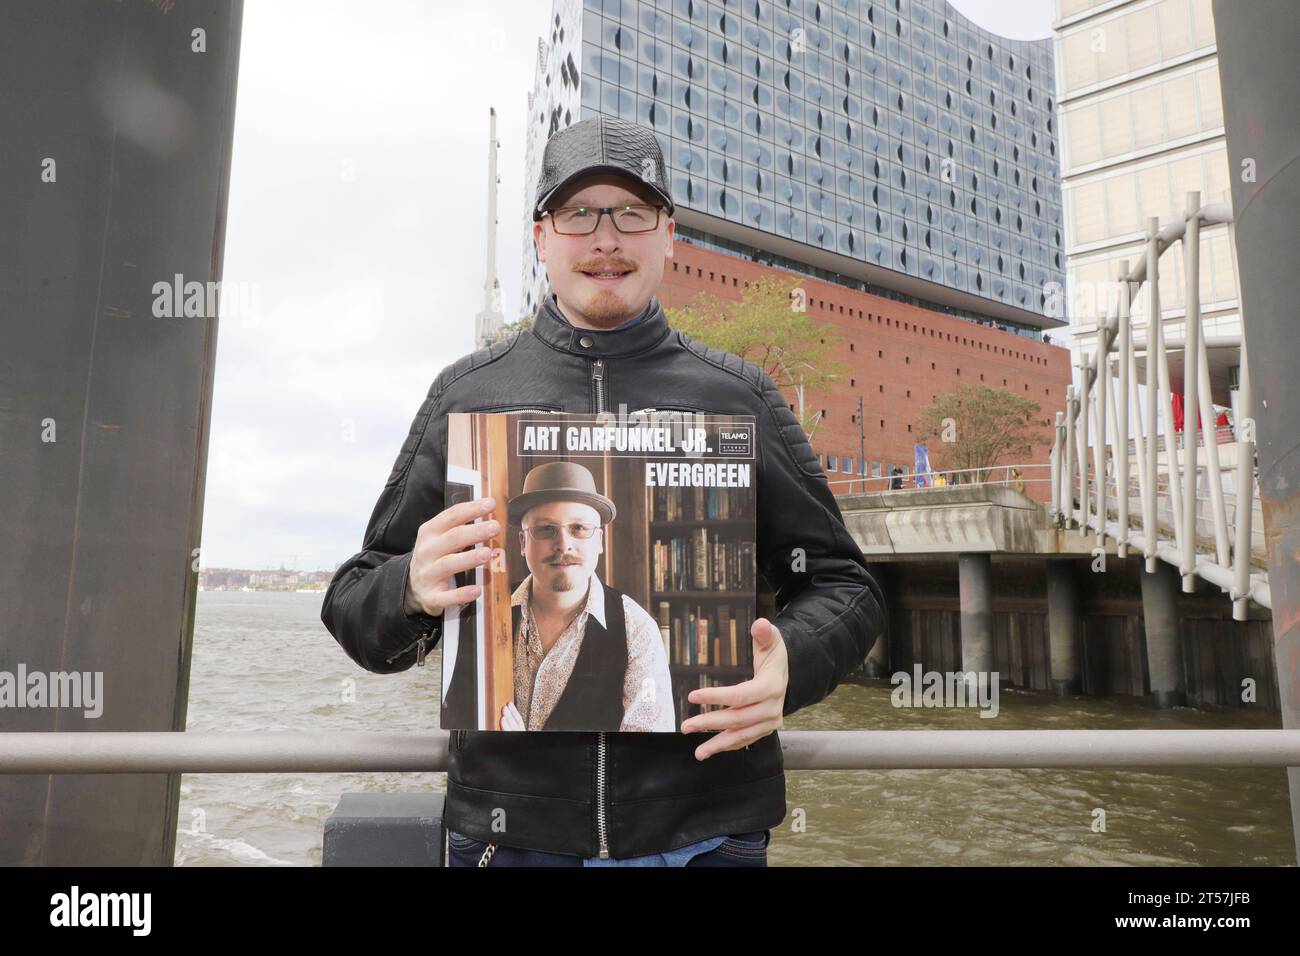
{"type": "Point", "coordinates": [593, 171]}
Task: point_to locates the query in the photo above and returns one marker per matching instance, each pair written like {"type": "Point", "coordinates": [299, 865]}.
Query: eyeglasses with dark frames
{"type": "Point", "coordinates": [549, 532]}
{"type": "Point", "coordinates": [584, 220]}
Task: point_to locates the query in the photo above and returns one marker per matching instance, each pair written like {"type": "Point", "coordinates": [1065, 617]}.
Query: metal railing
{"type": "Point", "coordinates": [993, 475]}
{"type": "Point", "coordinates": [1097, 422]}
{"type": "Point", "coordinates": [257, 752]}
{"type": "Point", "coordinates": [1165, 513]}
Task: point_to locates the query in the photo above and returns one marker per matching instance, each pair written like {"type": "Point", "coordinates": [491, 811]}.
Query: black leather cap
{"type": "Point", "coordinates": [601, 144]}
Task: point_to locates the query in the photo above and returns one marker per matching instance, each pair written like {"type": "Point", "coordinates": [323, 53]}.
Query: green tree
{"type": "Point", "coordinates": [510, 328]}
{"type": "Point", "coordinates": [976, 427]}
{"type": "Point", "coordinates": [768, 327]}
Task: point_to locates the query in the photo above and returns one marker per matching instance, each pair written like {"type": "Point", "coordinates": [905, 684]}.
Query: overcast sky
{"type": "Point", "coordinates": [358, 213]}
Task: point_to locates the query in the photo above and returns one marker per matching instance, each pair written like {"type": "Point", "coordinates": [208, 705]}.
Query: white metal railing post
{"type": "Point", "coordinates": [1098, 457]}
{"type": "Point", "coordinates": [1067, 479]}
{"type": "Point", "coordinates": [1090, 470]}
{"type": "Point", "coordinates": [1071, 410]}
{"type": "Point", "coordinates": [1245, 460]}
{"type": "Point", "coordinates": [1112, 424]}
{"type": "Point", "coordinates": [1057, 437]}
{"type": "Point", "coordinates": [1136, 418]}
{"type": "Point", "coordinates": [1133, 408]}
{"type": "Point", "coordinates": [1121, 413]}
{"type": "Point", "coordinates": [1085, 412]}
{"type": "Point", "coordinates": [1245, 491]}
{"type": "Point", "coordinates": [1210, 439]}
{"type": "Point", "coordinates": [1172, 463]}
{"type": "Point", "coordinates": [1150, 516]}
{"type": "Point", "coordinates": [1100, 388]}
{"type": "Point", "coordinates": [1191, 381]}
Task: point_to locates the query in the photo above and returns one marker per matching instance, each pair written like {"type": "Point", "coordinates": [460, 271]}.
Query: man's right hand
{"type": "Point", "coordinates": [511, 719]}
{"type": "Point", "coordinates": [439, 553]}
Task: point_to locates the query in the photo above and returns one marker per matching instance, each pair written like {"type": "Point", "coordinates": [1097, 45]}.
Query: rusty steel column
{"type": "Point", "coordinates": [1258, 49]}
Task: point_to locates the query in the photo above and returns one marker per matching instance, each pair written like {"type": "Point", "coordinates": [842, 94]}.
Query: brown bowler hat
{"type": "Point", "coordinates": [559, 481]}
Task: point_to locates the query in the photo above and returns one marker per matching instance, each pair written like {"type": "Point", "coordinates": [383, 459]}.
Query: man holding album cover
{"type": "Point", "coordinates": [600, 343]}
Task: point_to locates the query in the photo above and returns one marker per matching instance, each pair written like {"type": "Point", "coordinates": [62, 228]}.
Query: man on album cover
{"type": "Point", "coordinates": [586, 656]}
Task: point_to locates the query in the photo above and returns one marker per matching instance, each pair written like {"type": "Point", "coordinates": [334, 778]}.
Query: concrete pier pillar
{"type": "Point", "coordinates": [975, 585]}
{"type": "Point", "coordinates": [1164, 650]}
{"type": "Point", "coordinates": [1063, 627]}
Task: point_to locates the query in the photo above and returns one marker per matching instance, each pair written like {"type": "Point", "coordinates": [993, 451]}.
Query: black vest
{"type": "Point", "coordinates": [593, 697]}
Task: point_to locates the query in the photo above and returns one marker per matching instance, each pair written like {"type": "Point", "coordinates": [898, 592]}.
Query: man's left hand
{"type": "Point", "coordinates": [750, 710]}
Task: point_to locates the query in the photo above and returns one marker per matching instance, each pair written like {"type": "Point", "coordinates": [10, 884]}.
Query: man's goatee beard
{"type": "Point", "coordinates": [561, 583]}
{"type": "Point", "coordinates": [607, 309]}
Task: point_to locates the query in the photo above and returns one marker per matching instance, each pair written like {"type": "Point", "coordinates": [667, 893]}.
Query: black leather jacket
{"type": "Point", "coordinates": [617, 794]}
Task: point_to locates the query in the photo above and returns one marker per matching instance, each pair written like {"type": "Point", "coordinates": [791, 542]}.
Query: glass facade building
{"type": "Point", "coordinates": [893, 143]}
{"type": "Point", "coordinates": [1142, 125]}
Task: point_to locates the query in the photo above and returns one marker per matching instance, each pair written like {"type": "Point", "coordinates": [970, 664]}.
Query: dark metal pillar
{"type": "Point", "coordinates": [1259, 44]}
{"type": "Point", "coordinates": [117, 122]}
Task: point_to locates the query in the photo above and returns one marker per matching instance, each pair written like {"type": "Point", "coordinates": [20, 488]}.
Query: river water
{"type": "Point", "coordinates": [263, 661]}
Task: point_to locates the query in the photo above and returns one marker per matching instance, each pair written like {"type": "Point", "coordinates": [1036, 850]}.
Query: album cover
{"type": "Point", "coordinates": [623, 577]}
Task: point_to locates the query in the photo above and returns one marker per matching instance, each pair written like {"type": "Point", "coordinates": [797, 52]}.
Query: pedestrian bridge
{"type": "Point", "coordinates": [996, 518]}
{"type": "Point", "coordinates": [1125, 475]}
{"type": "Point", "coordinates": [953, 520]}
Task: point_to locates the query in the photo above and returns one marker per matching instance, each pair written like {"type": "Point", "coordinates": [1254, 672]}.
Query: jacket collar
{"type": "Point", "coordinates": [550, 325]}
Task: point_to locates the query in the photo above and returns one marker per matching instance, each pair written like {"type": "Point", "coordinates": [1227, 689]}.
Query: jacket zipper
{"type": "Point", "coordinates": [601, 831]}
{"type": "Point", "coordinates": [602, 834]}
{"type": "Point", "coordinates": [420, 644]}
{"type": "Point", "coordinates": [597, 381]}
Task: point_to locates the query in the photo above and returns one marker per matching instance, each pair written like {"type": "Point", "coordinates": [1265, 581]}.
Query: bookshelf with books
{"type": "Point", "coordinates": [702, 586]}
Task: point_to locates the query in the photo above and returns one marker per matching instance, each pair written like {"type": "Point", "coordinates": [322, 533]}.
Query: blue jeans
{"type": "Point", "coordinates": [744, 849]}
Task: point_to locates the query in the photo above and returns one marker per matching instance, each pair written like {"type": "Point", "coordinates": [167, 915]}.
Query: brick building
{"type": "Point", "coordinates": [901, 357]}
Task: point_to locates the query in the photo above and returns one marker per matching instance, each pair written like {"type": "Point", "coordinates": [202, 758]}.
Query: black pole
{"type": "Point", "coordinates": [862, 447]}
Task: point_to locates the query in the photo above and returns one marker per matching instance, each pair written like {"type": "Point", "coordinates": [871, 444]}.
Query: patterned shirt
{"type": "Point", "coordinates": [541, 676]}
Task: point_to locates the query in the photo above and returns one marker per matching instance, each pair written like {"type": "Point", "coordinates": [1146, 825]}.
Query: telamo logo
{"type": "Point", "coordinates": [734, 436]}
{"type": "Point", "coordinates": [102, 909]}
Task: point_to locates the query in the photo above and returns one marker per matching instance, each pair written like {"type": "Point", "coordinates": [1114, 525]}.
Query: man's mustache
{"type": "Point", "coordinates": [613, 265]}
